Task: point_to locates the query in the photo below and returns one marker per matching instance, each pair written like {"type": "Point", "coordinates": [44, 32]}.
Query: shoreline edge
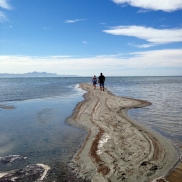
{"type": "Point", "coordinates": [117, 148]}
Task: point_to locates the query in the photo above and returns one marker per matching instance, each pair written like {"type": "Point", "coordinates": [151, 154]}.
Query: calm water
{"type": "Point", "coordinates": [165, 93]}
{"type": "Point", "coordinates": [36, 127]}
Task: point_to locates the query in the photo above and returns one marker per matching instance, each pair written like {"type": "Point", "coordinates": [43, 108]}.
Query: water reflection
{"type": "Point", "coordinates": [36, 129]}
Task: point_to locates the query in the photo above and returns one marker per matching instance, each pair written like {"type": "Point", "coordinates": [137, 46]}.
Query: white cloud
{"type": "Point", "coordinates": [2, 17]}
{"type": "Point", "coordinates": [46, 28]}
{"type": "Point", "coordinates": [74, 21]}
{"type": "Point", "coordinates": [108, 64]}
{"type": "Point", "coordinates": [164, 5]}
{"type": "Point", "coordinates": [144, 45]}
{"type": "Point", "coordinates": [84, 42]}
{"type": "Point", "coordinates": [4, 4]}
{"type": "Point", "coordinates": [154, 36]}
{"type": "Point", "coordinates": [141, 46]}
{"type": "Point", "coordinates": [143, 11]}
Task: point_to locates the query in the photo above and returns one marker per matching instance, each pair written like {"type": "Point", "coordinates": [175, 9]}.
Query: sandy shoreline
{"type": "Point", "coordinates": [116, 147]}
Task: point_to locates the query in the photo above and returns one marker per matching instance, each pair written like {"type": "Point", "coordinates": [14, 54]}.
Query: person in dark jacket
{"type": "Point", "coordinates": [101, 81]}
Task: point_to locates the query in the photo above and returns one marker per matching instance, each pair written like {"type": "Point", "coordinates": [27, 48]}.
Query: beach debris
{"type": "Point", "coordinates": [144, 163]}
{"type": "Point", "coordinates": [30, 173]}
{"type": "Point", "coordinates": [46, 169]}
{"type": "Point", "coordinates": [154, 168]}
{"type": "Point", "coordinates": [11, 158]}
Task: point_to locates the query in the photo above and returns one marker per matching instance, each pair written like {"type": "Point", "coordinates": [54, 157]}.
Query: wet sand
{"type": "Point", "coordinates": [6, 107]}
{"type": "Point", "coordinates": [116, 147]}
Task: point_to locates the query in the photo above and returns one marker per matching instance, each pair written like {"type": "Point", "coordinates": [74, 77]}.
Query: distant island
{"type": "Point", "coordinates": [33, 74]}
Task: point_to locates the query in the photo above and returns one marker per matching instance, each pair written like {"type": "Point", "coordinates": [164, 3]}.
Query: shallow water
{"type": "Point", "coordinates": [165, 93]}
{"type": "Point", "coordinates": [12, 89]}
{"type": "Point", "coordinates": [36, 127]}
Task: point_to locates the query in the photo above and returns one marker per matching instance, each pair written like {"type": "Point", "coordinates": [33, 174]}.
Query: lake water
{"type": "Point", "coordinates": [36, 127]}
{"type": "Point", "coordinates": [165, 93]}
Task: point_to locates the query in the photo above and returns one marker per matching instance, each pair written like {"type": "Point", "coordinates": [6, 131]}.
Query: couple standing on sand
{"type": "Point", "coordinates": [101, 80]}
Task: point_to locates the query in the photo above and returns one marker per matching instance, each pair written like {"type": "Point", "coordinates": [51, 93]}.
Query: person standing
{"type": "Point", "coordinates": [101, 81]}
{"type": "Point", "coordinates": [94, 81]}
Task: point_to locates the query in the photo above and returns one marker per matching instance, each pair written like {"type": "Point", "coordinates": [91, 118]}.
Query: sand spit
{"type": "Point", "coordinates": [116, 147]}
{"type": "Point", "coordinates": [6, 107]}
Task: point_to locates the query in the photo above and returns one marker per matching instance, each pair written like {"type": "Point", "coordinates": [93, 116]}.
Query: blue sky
{"type": "Point", "coordinates": [86, 37]}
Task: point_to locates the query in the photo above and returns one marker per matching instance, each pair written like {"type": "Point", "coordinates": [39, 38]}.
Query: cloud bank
{"type": "Point", "coordinates": [132, 64]}
{"type": "Point", "coordinates": [151, 35]}
{"type": "Point", "coordinates": [165, 5]}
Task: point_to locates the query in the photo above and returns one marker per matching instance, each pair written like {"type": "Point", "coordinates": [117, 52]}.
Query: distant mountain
{"type": "Point", "coordinates": [33, 74]}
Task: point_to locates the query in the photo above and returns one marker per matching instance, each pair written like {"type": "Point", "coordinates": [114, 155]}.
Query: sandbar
{"type": "Point", "coordinates": [116, 147]}
{"type": "Point", "coordinates": [6, 107]}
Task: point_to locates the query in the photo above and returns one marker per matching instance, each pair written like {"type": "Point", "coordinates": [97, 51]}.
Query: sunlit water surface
{"type": "Point", "coordinates": [36, 127]}
{"type": "Point", "coordinates": [165, 93]}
